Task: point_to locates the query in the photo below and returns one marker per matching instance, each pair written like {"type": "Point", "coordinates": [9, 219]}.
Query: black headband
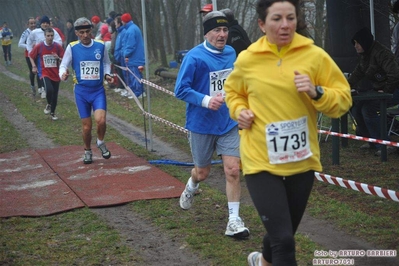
{"type": "Point", "coordinates": [215, 22]}
{"type": "Point", "coordinates": [83, 27]}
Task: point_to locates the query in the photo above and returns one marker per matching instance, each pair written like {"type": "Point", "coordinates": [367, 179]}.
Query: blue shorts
{"type": "Point", "coordinates": [203, 146]}
{"type": "Point", "coordinates": [89, 99]}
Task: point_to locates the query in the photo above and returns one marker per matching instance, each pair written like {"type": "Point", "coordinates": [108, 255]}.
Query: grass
{"type": "Point", "coordinates": [24, 240]}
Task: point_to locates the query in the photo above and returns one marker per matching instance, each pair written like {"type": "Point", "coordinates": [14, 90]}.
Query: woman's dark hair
{"type": "Point", "coordinates": [262, 7]}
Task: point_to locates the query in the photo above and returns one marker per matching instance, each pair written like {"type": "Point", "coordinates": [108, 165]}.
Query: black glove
{"type": "Point", "coordinates": [11, 37]}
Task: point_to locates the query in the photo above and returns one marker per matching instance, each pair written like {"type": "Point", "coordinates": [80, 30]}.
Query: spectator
{"type": "Point", "coordinates": [207, 117]}
{"type": "Point", "coordinates": [6, 40]}
{"type": "Point", "coordinates": [238, 37]}
{"type": "Point", "coordinates": [105, 33]}
{"type": "Point", "coordinates": [70, 32]}
{"type": "Point", "coordinates": [49, 55]}
{"type": "Point", "coordinates": [118, 52]}
{"type": "Point", "coordinates": [96, 34]}
{"type": "Point", "coordinates": [395, 33]}
{"type": "Point", "coordinates": [22, 44]}
{"type": "Point", "coordinates": [277, 87]}
{"type": "Point", "coordinates": [133, 54]}
{"type": "Point", "coordinates": [378, 65]}
{"type": "Point", "coordinates": [89, 90]}
{"type": "Point", "coordinates": [54, 25]}
{"type": "Point", "coordinates": [206, 9]}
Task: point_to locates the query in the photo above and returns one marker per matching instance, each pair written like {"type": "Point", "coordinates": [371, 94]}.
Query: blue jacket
{"type": "Point", "coordinates": [133, 45]}
{"type": "Point", "coordinates": [118, 52]}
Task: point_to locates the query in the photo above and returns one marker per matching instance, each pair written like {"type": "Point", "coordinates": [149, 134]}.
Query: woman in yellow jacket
{"type": "Point", "coordinates": [274, 92]}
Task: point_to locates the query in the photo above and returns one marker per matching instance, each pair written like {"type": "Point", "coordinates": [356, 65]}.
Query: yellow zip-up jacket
{"type": "Point", "coordinates": [283, 137]}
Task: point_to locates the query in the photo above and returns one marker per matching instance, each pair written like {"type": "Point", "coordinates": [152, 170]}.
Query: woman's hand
{"type": "Point", "coordinates": [245, 119]}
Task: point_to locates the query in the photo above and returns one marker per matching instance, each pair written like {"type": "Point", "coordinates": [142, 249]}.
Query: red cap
{"type": "Point", "coordinates": [95, 19]}
{"type": "Point", "coordinates": [126, 17]}
{"type": "Point", "coordinates": [207, 8]}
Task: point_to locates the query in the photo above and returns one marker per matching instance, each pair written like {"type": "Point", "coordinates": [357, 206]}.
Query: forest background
{"type": "Point", "coordinates": [171, 25]}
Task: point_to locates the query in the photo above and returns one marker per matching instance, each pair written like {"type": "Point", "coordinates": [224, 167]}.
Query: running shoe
{"type": "Point", "coordinates": [236, 228]}
{"type": "Point", "coordinates": [33, 90]}
{"type": "Point", "coordinates": [187, 197]}
{"type": "Point", "coordinates": [104, 151]}
{"type": "Point", "coordinates": [143, 95]}
{"type": "Point", "coordinates": [43, 95]}
{"type": "Point", "coordinates": [47, 110]}
{"type": "Point", "coordinates": [254, 258]}
{"type": "Point", "coordinates": [53, 117]}
{"type": "Point", "coordinates": [87, 158]}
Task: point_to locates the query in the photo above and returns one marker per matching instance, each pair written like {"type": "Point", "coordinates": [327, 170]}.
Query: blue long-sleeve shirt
{"type": "Point", "coordinates": [202, 73]}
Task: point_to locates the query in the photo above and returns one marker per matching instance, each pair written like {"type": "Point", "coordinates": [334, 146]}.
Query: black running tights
{"type": "Point", "coordinates": [280, 202]}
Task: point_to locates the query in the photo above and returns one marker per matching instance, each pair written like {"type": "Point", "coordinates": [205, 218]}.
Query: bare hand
{"type": "Point", "coordinates": [303, 84]}
{"type": "Point", "coordinates": [141, 68]}
{"type": "Point", "coordinates": [216, 102]}
{"type": "Point", "coordinates": [65, 75]}
{"type": "Point", "coordinates": [245, 119]}
{"type": "Point", "coordinates": [110, 79]}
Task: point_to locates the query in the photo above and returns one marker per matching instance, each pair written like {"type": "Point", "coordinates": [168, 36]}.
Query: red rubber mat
{"type": "Point", "coordinates": [29, 187]}
{"type": "Point", "coordinates": [45, 182]}
{"type": "Point", "coordinates": [122, 178]}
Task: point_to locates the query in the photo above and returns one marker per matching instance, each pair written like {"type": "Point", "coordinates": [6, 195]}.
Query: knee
{"type": "Point", "coordinates": [100, 121]}
{"type": "Point", "coordinates": [285, 244]}
{"type": "Point", "coordinates": [232, 171]}
{"type": "Point", "coordinates": [200, 174]}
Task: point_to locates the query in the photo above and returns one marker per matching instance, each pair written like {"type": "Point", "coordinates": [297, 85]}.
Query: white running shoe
{"type": "Point", "coordinates": [87, 158]}
{"type": "Point", "coordinates": [254, 258]}
{"type": "Point", "coordinates": [236, 228]}
{"type": "Point", "coordinates": [143, 95]}
{"type": "Point", "coordinates": [124, 93]}
{"type": "Point", "coordinates": [43, 94]}
{"type": "Point", "coordinates": [187, 197]}
{"type": "Point", "coordinates": [47, 110]}
{"type": "Point", "coordinates": [54, 117]}
{"type": "Point", "coordinates": [104, 151]}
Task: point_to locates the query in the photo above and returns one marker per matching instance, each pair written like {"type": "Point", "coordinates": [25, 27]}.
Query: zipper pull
{"type": "Point", "coordinates": [279, 62]}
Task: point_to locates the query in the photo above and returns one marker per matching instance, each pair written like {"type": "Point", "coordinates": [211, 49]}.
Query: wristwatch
{"type": "Point", "coordinates": [320, 93]}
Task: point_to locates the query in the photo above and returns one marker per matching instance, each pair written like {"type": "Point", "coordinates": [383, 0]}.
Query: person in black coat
{"type": "Point", "coordinates": [377, 64]}
{"type": "Point", "coordinates": [70, 32]}
{"type": "Point", "coordinates": [238, 37]}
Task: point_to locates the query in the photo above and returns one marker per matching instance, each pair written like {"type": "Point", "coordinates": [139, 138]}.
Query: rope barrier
{"type": "Point", "coordinates": [350, 136]}
{"type": "Point", "coordinates": [361, 187]}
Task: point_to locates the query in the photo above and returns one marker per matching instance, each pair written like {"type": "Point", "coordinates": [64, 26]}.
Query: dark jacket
{"type": "Point", "coordinates": [70, 36]}
{"type": "Point", "coordinates": [377, 64]}
{"type": "Point", "coordinates": [237, 38]}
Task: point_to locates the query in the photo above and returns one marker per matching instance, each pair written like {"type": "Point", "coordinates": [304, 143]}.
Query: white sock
{"type": "Point", "coordinates": [234, 210]}
{"type": "Point", "coordinates": [191, 184]}
{"type": "Point", "coordinates": [99, 142]}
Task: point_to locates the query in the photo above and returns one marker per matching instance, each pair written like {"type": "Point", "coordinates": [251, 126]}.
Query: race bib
{"type": "Point", "coordinates": [49, 60]}
{"type": "Point", "coordinates": [217, 79]}
{"type": "Point", "coordinates": [288, 141]}
{"type": "Point", "coordinates": [90, 70]}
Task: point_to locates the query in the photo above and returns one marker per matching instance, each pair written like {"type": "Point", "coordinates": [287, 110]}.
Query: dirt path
{"type": "Point", "coordinates": [145, 238]}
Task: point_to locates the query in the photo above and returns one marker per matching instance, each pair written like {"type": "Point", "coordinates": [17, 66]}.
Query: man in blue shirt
{"type": "Point", "coordinates": [200, 84]}
{"type": "Point", "coordinates": [90, 62]}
